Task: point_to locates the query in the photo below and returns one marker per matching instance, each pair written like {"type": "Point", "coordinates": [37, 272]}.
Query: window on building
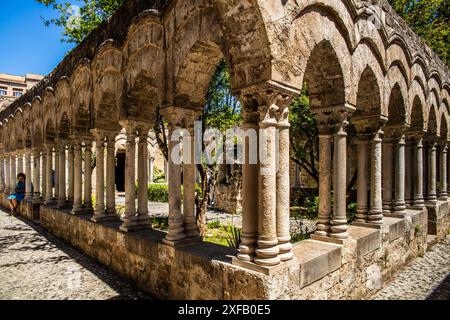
{"type": "Point", "coordinates": [2, 92]}
{"type": "Point", "coordinates": [17, 94]}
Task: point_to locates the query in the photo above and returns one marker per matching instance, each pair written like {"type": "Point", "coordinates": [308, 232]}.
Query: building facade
{"type": "Point", "coordinates": [13, 87]}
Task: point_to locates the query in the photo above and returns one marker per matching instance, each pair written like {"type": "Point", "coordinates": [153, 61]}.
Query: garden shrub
{"type": "Point", "coordinates": [158, 192]}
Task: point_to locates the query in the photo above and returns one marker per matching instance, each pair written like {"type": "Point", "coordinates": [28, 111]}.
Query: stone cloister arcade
{"type": "Point", "coordinates": [153, 54]}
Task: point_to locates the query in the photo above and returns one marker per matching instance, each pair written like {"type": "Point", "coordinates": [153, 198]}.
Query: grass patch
{"type": "Point", "coordinates": [160, 223]}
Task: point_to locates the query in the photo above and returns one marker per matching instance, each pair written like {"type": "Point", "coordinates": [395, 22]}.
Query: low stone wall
{"type": "Point", "coordinates": [26, 209]}
{"type": "Point", "coordinates": [321, 270]}
{"type": "Point", "coordinates": [201, 271]}
{"type": "Point", "coordinates": [438, 219]}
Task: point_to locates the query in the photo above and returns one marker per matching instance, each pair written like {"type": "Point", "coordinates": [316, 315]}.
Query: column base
{"type": "Point", "coordinates": [104, 218]}
{"type": "Point", "coordinates": [418, 203]}
{"type": "Point", "coordinates": [330, 239]}
{"type": "Point", "coordinates": [396, 214]}
{"type": "Point", "coordinates": [183, 243]}
{"type": "Point", "coordinates": [77, 210]}
{"type": "Point", "coordinates": [387, 208]}
{"type": "Point", "coordinates": [134, 224]}
{"type": "Point", "coordinates": [368, 225]}
{"type": "Point", "coordinates": [49, 202]}
{"type": "Point", "coordinates": [263, 269]}
{"type": "Point", "coordinates": [247, 247]}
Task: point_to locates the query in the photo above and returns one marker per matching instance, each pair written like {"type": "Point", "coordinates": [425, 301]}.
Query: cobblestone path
{"type": "Point", "coordinates": [35, 265]}
{"type": "Point", "coordinates": [427, 277]}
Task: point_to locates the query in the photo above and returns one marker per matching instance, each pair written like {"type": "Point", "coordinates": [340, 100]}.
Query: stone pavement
{"type": "Point", "coordinates": [35, 265]}
{"type": "Point", "coordinates": [427, 277]}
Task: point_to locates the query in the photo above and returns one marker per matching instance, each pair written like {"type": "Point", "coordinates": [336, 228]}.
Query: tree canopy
{"type": "Point", "coordinates": [78, 24]}
{"type": "Point", "coordinates": [430, 19]}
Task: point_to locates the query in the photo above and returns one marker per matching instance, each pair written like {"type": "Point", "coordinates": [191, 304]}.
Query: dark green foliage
{"type": "Point", "coordinates": [92, 12]}
{"type": "Point", "coordinates": [159, 176]}
{"type": "Point", "coordinates": [158, 192]}
{"type": "Point", "coordinates": [351, 212]}
{"type": "Point", "coordinates": [160, 223]}
{"type": "Point", "coordinates": [234, 237]}
{"type": "Point", "coordinates": [430, 19]}
{"type": "Point", "coordinates": [304, 135]}
{"type": "Point", "coordinates": [213, 224]}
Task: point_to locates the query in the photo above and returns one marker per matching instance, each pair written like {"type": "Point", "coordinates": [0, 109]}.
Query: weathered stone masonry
{"type": "Point", "coordinates": [163, 53]}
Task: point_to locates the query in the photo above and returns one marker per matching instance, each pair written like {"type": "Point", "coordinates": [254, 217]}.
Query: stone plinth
{"type": "Point", "coordinates": [317, 259]}
{"type": "Point", "coordinates": [438, 219]}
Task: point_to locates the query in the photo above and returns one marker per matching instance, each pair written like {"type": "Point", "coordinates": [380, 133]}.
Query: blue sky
{"type": "Point", "coordinates": [26, 45]}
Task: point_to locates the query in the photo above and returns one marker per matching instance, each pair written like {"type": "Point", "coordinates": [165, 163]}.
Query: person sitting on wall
{"type": "Point", "coordinates": [19, 194]}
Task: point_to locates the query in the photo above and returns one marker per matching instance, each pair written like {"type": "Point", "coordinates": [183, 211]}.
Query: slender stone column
{"type": "Point", "coordinates": [36, 176]}
{"type": "Point", "coordinates": [283, 187]}
{"type": "Point", "coordinates": [62, 201]}
{"type": "Point", "coordinates": [190, 226]}
{"type": "Point", "coordinates": [130, 219]}
{"type": "Point", "coordinates": [110, 176]}
{"type": "Point", "coordinates": [87, 175]}
{"type": "Point", "coordinates": [48, 175]}
{"type": "Point", "coordinates": [448, 175]}
{"type": "Point", "coordinates": [363, 172]}
{"type": "Point", "coordinates": [13, 175]}
{"type": "Point", "coordinates": [399, 202]}
{"type": "Point", "coordinates": [174, 117]}
{"type": "Point", "coordinates": [7, 161]}
{"type": "Point", "coordinates": [325, 167]}
{"type": "Point", "coordinates": [432, 181]}
{"type": "Point", "coordinates": [388, 176]}
{"type": "Point", "coordinates": [2, 174]}
{"type": "Point", "coordinates": [297, 176]}
{"type": "Point", "coordinates": [443, 162]}
{"type": "Point", "coordinates": [267, 250]}
{"type": "Point", "coordinates": [20, 168]}
{"type": "Point", "coordinates": [28, 186]}
{"type": "Point", "coordinates": [418, 186]}
{"type": "Point", "coordinates": [99, 212]}
{"type": "Point", "coordinates": [70, 172]}
{"type": "Point", "coordinates": [339, 223]}
{"type": "Point", "coordinates": [409, 173]}
{"type": "Point", "coordinates": [376, 201]}
{"type": "Point", "coordinates": [43, 175]}
{"type": "Point", "coordinates": [56, 187]}
{"type": "Point", "coordinates": [151, 174]}
{"type": "Point", "coordinates": [249, 189]}
{"type": "Point", "coordinates": [78, 176]}
{"type": "Point", "coordinates": [142, 192]}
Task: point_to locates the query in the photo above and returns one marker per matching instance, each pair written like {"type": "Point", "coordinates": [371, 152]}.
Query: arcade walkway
{"type": "Point", "coordinates": [35, 265]}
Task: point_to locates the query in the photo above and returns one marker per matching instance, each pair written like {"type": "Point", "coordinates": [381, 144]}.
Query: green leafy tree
{"type": "Point", "coordinates": [430, 19]}
{"type": "Point", "coordinates": [78, 24]}
{"type": "Point", "coordinates": [304, 135]}
{"type": "Point", "coordinates": [222, 111]}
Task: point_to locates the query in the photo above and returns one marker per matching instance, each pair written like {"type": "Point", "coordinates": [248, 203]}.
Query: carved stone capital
{"type": "Point", "coordinates": [269, 101]}
{"type": "Point", "coordinates": [369, 124]}
{"type": "Point", "coordinates": [174, 116]}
